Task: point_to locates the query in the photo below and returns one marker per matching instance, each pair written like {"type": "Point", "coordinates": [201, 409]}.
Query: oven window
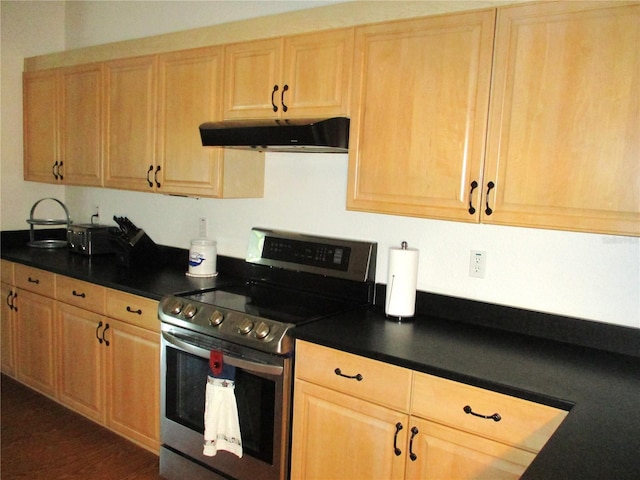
{"type": "Point", "coordinates": [255, 395]}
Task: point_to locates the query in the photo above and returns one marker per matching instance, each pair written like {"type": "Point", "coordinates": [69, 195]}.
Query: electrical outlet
{"type": "Point", "coordinates": [202, 227]}
{"type": "Point", "coordinates": [478, 264]}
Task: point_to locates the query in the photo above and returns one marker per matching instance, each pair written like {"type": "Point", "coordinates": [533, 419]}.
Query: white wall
{"type": "Point", "coordinates": [28, 29]}
{"type": "Point", "coordinates": [588, 276]}
{"type": "Point", "coordinates": [98, 22]}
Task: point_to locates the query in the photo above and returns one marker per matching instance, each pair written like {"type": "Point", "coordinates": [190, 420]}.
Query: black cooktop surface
{"type": "Point", "coordinates": [272, 302]}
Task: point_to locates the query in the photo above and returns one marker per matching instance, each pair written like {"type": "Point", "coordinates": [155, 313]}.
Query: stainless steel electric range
{"type": "Point", "coordinates": [293, 279]}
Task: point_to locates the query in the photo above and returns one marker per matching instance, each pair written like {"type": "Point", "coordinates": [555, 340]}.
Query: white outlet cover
{"type": "Point", "coordinates": [478, 264]}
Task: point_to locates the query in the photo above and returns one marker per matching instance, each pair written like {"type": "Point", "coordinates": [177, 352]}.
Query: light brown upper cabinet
{"type": "Point", "coordinates": [304, 76]}
{"type": "Point", "coordinates": [130, 114]}
{"type": "Point", "coordinates": [419, 111]}
{"type": "Point", "coordinates": [564, 127]}
{"type": "Point", "coordinates": [62, 125]}
{"type": "Point", "coordinates": [189, 94]}
{"type": "Point", "coordinates": [40, 118]}
{"type": "Point", "coordinates": [154, 106]}
{"type": "Point", "coordinates": [563, 137]}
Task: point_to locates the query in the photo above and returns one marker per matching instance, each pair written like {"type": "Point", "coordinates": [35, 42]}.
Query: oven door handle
{"type": "Point", "coordinates": [247, 365]}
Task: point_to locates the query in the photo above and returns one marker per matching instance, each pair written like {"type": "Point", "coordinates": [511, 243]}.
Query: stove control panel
{"type": "Point", "coordinates": [332, 257]}
{"type": "Point", "coordinates": [242, 328]}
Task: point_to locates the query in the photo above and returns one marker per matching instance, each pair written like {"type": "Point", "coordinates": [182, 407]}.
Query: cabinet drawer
{"type": "Point", "coordinates": [35, 280]}
{"type": "Point", "coordinates": [6, 271]}
{"type": "Point", "coordinates": [380, 383]}
{"type": "Point", "coordinates": [81, 294]}
{"type": "Point", "coordinates": [139, 311]}
{"type": "Point", "coordinates": [522, 423]}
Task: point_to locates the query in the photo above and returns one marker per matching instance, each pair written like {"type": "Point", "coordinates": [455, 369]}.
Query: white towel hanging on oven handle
{"type": "Point", "coordinates": [221, 424]}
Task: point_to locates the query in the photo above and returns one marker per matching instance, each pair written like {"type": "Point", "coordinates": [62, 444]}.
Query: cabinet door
{"type": "Point", "coordinates": [81, 125]}
{"type": "Point", "coordinates": [40, 123]}
{"type": "Point", "coordinates": [419, 109]}
{"type": "Point", "coordinates": [564, 129]}
{"type": "Point", "coordinates": [130, 109]}
{"type": "Point", "coordinates": [133, 383]}
{"type": "Point", "coordinates": [7, 329]}
{"type": "Point", "coordinates": [446, 453]}
{"type": "Point", "coordinates": [190, 92]}
{"type": "Point", "coordinates": [340, 437]}
{"type": "Point", "coordinates": [36, 342]}
{"type": "Point", "coordinates": [252, 80]}
{"type": "Point", "coordinates": [317, 72]}
{"type": "Point", "coordinates": [81, 367]}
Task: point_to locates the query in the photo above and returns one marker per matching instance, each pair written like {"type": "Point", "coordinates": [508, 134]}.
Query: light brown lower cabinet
{"type": "Point", "coordinates": [81, 361]}
{"type": "Point", "coordinates": [94, 350]}
{"type": "Point", "coordinates": [343, 428]}
{"type": "Point", "coordinates": [7, 330]}
{"type": "Point", "coordinates": [444, 452]}
{"type": "Point", "coordinates": [8, 310]}
{"type": "Point", "coordinates": [35, 342]}
{"type": "Point", "coordinates": [341, 437]}
{"type": "Point", "coordinates": [133, 383]}
{"type": "Point", "coordinates": [109, 372]}
{"type": "Point", "coordinates": [109, 358]}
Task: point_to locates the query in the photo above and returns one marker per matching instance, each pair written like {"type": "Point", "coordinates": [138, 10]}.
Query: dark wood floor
{"type": "Point", "coordinates": [40, 439]}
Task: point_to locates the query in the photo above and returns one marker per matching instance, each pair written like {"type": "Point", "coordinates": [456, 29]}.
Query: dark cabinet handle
{"type": "Point", "coordinates": [273, 103]}
{"type": "Point", "coordinates": [13, 302]}
{"type": "Point", "coordinates": [54, 170]}
{"type": "Point", "coordinates": [474, 185]}
{"type": "Point", "coordinates": [414, 432]}
{"type": "Point", "coordinates": [106, 342]}
{"type": "Point", "coordinates": [357, 376]}
{"type": "Point", "coordinates": [10, 299]}
{"type": "Point", "coordinates": [396, 450]}
{"type": "Point", "coordinates": [284, 107]}
{"type": "Point", "coordinates": [97, 331]}
{"type": "Point", "coordinates": [76, 294]}
{"type": "Point", "coordinates": [60, 174]}
{"type": "Point", "coordinates": [495, 417]}
{"type": "Point", "coordinates": [33, 280]}
{"type": "Point", "coordinates": [130, 310]}
{"type": "Point", "coordinates": [148, 176]}
{"type": "Point", "coordinates": [155, 176]}
{"type": "Point", "coordinates": [490, 187]}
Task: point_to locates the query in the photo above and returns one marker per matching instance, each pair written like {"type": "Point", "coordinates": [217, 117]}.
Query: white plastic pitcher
{"type": "Point", "coordinates": [202, 258]}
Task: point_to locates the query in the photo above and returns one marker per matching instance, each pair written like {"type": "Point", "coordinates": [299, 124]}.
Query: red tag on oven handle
{"type": "Point", "coordinates": [215, 362]}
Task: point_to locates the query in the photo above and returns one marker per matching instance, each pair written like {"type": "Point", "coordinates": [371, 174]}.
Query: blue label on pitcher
{"type": "Point", "coordinates": [196, 259]}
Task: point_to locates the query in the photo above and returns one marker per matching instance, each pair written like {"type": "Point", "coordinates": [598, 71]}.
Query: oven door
{"type": "Point", "coordinates": [263, 394]}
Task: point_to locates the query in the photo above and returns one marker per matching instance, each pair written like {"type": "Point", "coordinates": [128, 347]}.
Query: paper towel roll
{"type": "Point", "coordinates": [401, 282]}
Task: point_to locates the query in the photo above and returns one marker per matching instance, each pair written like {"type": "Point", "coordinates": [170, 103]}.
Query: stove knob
{"type": "Point", "coordinates": [245, 326]}
{"type": "Point", "coordinates": [189, 311]}
{"type": "Point", "coordinates": [262, 330]}
{"type": "Point", "coordinates": [174, 307]}
{"type": "Point", "coordinates": [216, 318]}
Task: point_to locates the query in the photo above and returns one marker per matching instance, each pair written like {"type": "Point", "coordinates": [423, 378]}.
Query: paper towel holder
{"type": "Point", "coordinates": [405, 313]}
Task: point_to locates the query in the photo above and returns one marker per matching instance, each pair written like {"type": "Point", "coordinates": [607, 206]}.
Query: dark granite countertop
{"type": "Point", "coordinates": [151, 281]}
{"type": "Point", "coordinates": [592, 370]}
{"type": "Point", "coordinates": [600, 437]}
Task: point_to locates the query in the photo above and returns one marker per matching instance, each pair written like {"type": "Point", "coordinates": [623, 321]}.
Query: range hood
{"type": "Point", "coordinates": [326, 136]}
